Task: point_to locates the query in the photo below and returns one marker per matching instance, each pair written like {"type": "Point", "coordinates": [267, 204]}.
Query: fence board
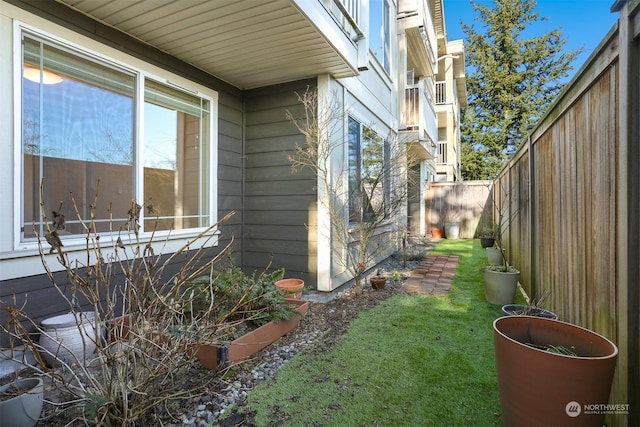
{"type": "Point", "coordinates": [583, 183]}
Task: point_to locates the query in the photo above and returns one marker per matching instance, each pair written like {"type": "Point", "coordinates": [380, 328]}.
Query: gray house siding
{"type": "Point", "coordinates": [42, 299]}
{"type": "Point", "coordinates": [230, 168]}
{"type": "Point", "coordinates": [280, 206]}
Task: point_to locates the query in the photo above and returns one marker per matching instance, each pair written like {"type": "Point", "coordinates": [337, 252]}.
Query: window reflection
{"type": "Point", "coordinates": [79, 118]}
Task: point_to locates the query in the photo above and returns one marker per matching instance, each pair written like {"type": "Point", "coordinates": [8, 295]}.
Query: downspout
{"type": "Point", "coordinates": [243, 158]}
{"type": "Point", "coordinates": [532, 235]}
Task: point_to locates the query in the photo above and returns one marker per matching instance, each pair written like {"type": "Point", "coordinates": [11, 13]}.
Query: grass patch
{"type": "Point", "coordinates": [412, 360]}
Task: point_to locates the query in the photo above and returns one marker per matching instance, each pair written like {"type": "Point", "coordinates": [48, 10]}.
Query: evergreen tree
{"type": "Point", "coordinates": [511, 84]}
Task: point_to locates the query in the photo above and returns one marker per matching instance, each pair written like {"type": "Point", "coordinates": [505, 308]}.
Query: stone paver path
{"type": "Point", "coordinates": [433, 276]}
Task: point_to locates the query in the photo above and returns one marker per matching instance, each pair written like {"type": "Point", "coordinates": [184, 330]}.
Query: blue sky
{"type": "Point", "coordinates": [584, 22]}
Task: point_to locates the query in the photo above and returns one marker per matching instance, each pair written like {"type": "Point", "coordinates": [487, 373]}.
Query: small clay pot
{"type": "Point", "coordinates": [378, 282]}
{"type": "Point", "coordinates": [293, 287]}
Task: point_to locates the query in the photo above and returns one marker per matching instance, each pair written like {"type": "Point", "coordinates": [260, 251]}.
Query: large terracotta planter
{"type": "Point", "coordinates": [293, 287]}
{"type": "Point", "coordinates": [436, 233]}
{"type": "Point", "coordinates": [540, 388]}
{"type": "Point", "coordinates": [212, 356]}
{"type": "Point", "coordinates": [500, 286]}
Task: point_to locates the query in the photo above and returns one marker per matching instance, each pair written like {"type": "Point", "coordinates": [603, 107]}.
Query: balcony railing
{"type": "Point", "coordinates": [418, 100]}
{"type": "Point", "coordinates": [351, 7]}
{"type": "Point", "coordinates": [441, 93]}
{"type": "Point", "coordinates": [411, 107]}
{"type": "Point", "coordinates": [442, 152]}
{"type": "Point", "coordinates": [347, 14]}
{"type": "Point", "coordinates": [418, 113]}
{"type": "Point", "coordinates": [418, 14]}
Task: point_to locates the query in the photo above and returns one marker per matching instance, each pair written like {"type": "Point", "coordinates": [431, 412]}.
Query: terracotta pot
{"type": "Point", "coordinates": [436, 233]}
{"type": "Point", "coordinates": [378, 282]}
{"type": "Point", "coordinates": [540, 388]}
{"type": "Point", "coordinates": [293, 287]}
{"type": "Point", "coordinates": [500, 286]}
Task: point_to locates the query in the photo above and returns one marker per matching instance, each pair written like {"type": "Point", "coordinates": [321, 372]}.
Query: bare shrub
{"type": "Point", "coordinates": [152, 312]}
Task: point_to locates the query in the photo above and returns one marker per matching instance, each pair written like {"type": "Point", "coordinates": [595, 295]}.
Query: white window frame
{"type": "Point", "coordinates": [387, 181]}
{"type": "Point", "coordinates": [25, 252]}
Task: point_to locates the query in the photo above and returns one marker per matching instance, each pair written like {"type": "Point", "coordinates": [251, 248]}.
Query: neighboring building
{"type": "Point", "coordinates": [451, 95]}
{"type": "Point", "coordinates": [184, 105]}
{"type": "Point", "coordinates": [433, 75]}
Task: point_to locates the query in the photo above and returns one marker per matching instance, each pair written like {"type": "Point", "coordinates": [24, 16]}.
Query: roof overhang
{"type": "Point", "coordinates": [248, 44]}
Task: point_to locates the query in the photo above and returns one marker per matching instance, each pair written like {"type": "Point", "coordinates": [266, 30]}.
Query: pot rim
{"type": "Point", "coordinates": [548, 314]}
{"type": "Point", "coordinates": [488, 270]}
{"type": "Point", "coordinates": [505, 310]}
{"type": "Point", "coordinates": [68, 319]}
{"type": "Point", "coordinates": [289, 282]}
{"type": "Point", "coordinates": [38, 382]}
{"type": "Point", "coordinates": [502, 319]}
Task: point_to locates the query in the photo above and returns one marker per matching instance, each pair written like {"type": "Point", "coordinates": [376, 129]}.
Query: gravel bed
{"type": "Point", "coordinates": [318, 330]}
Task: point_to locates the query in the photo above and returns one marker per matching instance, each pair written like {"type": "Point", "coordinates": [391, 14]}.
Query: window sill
{"type": "Point", "coordinates": [26, 260]}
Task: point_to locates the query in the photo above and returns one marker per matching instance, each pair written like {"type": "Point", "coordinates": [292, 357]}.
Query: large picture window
{"type": "Point", "coordinates": [82, 119]}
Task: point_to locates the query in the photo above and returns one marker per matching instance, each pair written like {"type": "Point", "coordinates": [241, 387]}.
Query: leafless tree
{"type": "Point", "coordinates": [365, 203]}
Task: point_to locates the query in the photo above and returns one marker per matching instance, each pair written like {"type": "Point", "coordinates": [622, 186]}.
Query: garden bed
{"type": "Point", "coordinates": [212, 356]}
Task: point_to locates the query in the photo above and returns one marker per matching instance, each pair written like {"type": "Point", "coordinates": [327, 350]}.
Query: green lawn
{"type": "Point", "coordinates": [414, 360]}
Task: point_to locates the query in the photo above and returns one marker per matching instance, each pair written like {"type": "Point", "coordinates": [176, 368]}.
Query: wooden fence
{"type": "Point", "coordinates": [462, 202]}
{"type": "Point", "coordinates": [563, 188]}
{"type": "Point", "coordinates": [567, 197]}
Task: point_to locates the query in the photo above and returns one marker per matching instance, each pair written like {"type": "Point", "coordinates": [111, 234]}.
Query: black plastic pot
{"type": "Point", "coordinates": [487, 242]}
